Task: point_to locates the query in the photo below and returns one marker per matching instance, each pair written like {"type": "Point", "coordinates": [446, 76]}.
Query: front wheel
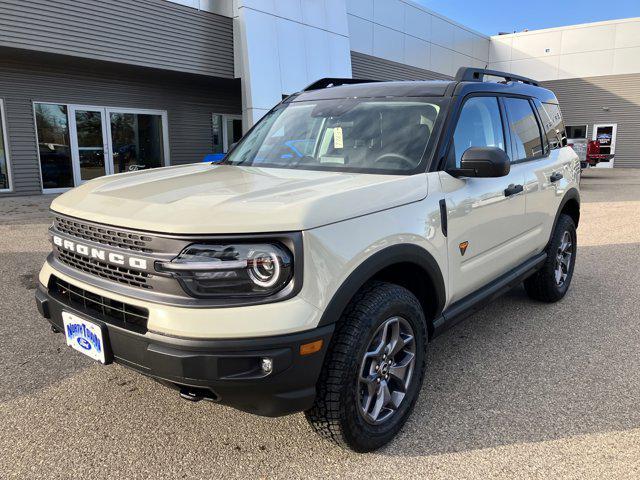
{"type": "Point", "coordinates": [373, 370]}
{"type": "Point", "coordinates": [552, 281]}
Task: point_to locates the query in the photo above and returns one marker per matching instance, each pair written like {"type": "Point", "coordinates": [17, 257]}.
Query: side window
{"type": "Point", "coordinates": [479, 125]}
{"type": "Point", "coordinates": [553, 125]}
{"type": "Point", "coordinates": [525, 131]}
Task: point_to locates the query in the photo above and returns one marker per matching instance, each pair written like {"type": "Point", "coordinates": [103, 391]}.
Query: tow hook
{"type": "Point", "coordinates": [55, 329]}
{"type": "Point", "coordinates": [196, 394]}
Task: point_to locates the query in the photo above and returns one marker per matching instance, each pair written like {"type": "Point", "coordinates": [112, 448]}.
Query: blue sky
{"type": "Point", "coordinates": [493, 16]}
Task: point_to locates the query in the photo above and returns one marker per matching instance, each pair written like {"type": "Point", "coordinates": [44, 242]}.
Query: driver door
{"type": "Point", "coordinates": [486, 216]}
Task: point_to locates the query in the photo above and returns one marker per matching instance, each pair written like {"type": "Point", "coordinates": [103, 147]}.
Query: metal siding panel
{"type": "Point", "coordinates": [189, 101]}
{"type": "Point", "coordinates": [375, 68]}
{"type": "Point", "coordinates": [151, 33]}
{"type": "Point", "coordinates": [582, 101]}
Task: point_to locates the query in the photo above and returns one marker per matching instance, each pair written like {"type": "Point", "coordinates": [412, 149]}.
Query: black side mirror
{"type": "Point", "coordinates": [482, 162]}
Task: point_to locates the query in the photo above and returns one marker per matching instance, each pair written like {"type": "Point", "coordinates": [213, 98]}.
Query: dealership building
{"type": "Point", "coordinates": [91, 88]}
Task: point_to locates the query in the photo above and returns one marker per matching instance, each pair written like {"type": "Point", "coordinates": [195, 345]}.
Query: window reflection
{"type": "Point", "coordinates": [137, 141]}
{"type": "Point", "coordinates": [4, 168]}
{"type": "Point", "coordinates": [53, 145]}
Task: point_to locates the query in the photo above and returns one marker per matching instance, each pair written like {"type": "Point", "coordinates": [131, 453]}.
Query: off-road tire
{"type": "Point", "coordinates": [542, 286]}
{"type": "Point", "coordinates": [336, 414]}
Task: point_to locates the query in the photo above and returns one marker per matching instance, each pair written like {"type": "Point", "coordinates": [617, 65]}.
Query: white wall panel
{"type": "Point", "coordinates": [545, 68]}
{"type": "Point", "coordinates": [361, 8]}
{"type": "Point", "coordinates": [313, 13]}
{"type": "Point", "coordinates": [317, 57]}
{"type": "Point", "coordinates": [389, 13]}
{"type": "Point", "coordinates": [291, 51]}
{"type": "Point", "coordinates": [587, 39]}
{"type": "Point", "coordinates": [500, 48]}
{"type": "Point", "coordinates": [360, 34]}
{"type": "Point", "coordinates": [262, 63]}
{"type": "Point", "coordinates": [416, 52]}
{"type": "Point", "coordinates": [502, 66]}
{"type": "Point", "coordinates": [589, 50]}
{"type": "Point", "coordinates": [388, 43]}
{"type": "Point", "coordinates": [291, 9]}
{"type": "Point", "coordinates": [441, 60]}
{"type": "Point", "coordinates": [442, 32]}
{"type": "Point", "coordinates": [627, 35]}
{"type": "Point", "coordinates": [417, 22]}
{"type": "Point", "coordinates": [463, 41]}
{"type": "Point", "coordinates": [460, 60]}
{"type": "Point", "coordinates": [283, 45]}
{"type": "Point", "coordinates": [536, 45]}
{"type": "Point", "coordinates": [336, 16]}
{"type": "Point", "coordinates": [626, 60]}
{"type": "Point", "coordinates": [266, 6]}
{"type": "Point", "coordinates": [481, 49]}
{"type": "Point", "coordinates": [340, 65]}
{"type": "Point", "coordinates": [587, 64]}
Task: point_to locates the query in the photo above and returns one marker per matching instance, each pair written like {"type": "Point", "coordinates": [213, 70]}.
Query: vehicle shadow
{"type": "Point", "coordinates": [520, 371]}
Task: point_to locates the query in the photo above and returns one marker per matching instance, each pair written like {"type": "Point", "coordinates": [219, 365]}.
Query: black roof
{"type": "Point", "coordinates": [468, 80]}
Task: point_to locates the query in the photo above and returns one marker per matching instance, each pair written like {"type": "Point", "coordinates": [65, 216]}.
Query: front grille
{"type": "Point", "coordinates": [110, 311]}
{"type": "Point", "coordinates": [104, 235]}
{"type": "Point", "coordinates": [123, 275]}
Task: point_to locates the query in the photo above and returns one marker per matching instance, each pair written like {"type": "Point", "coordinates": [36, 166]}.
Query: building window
{"type": "Point", "coordinates": [137, 140]}
{"type": "Point", "coordinates": [5, 173]}
{"type": "Point", "coordinates": [52, 129]}
{"type": "Point", "coordinates": [227, 130]}
{"type": "Point", "coordinates": [77, 143]}
{"type": "Point", "coordinates": [576, 131]}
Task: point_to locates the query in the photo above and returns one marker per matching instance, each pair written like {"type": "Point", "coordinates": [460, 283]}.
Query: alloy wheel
{"type": "Point", "coordinates": [563, 259]}
{"type": "Point", "coordinates": [386, 370]}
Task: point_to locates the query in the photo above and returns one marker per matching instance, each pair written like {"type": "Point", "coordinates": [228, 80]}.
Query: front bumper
{"type": "Point", "coordinates": [226, 371]}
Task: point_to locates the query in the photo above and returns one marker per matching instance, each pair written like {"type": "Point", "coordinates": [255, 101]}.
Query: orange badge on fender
{"type": "Point", "coordinates": [463, 247]}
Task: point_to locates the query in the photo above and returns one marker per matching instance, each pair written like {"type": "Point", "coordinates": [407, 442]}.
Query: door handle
{"type": "Point", "coordinates": [556, 176]}
{"type": "Point", "coordinates": [513, 190]}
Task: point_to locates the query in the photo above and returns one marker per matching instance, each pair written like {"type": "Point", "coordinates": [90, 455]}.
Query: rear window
{"type": "Point", "coordinates": [553, 125]}
{"type": "Point", "coordinates": [525, 132]}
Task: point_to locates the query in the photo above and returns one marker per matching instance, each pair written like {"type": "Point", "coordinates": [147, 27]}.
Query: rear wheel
{"type": "Point", "coordinates": [552, 281]}
{"type": "Point", "coordinates": [373, 370]}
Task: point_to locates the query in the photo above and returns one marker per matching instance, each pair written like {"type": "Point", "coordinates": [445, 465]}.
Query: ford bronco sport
{"type": "Point", "coordinates": [308, 271]}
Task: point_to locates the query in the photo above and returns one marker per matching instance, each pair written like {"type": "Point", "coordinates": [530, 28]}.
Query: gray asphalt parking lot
{"type": "Point", "coordinates": [520, 390]}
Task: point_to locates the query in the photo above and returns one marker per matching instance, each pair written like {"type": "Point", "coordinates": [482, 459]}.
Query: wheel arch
{"type": "Point", "coordinates": [570, 204]}
{"type": "Point", "coordinates": [410, 266]}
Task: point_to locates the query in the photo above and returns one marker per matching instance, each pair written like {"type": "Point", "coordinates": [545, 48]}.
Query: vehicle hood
{"type": "Point", "coordinates": [209, 199]}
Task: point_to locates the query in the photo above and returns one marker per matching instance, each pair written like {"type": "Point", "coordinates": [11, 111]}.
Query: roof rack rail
{"type": "Point", "coordinates": [334, 82]}
{"type": "Point", "coordinates": [471, 74]}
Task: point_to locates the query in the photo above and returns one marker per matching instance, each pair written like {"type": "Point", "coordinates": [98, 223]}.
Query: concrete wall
{"type": "Point", "coordinates": [404, 32]}
{"type": "Point", "coordinates": [587, 50]}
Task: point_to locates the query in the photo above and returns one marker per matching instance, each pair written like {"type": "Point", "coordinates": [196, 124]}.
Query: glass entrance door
{"type": "Point", "coordinates": [90, 149]}
{"type": "Point", "coordinates": [77, 143]}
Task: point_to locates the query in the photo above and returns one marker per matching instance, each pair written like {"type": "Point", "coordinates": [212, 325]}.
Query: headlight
{"type": "Point", "coordinates": [232, 270]}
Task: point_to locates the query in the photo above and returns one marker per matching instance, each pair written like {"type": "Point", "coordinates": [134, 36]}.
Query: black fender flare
{"type": "Point", "coordinates": [402, 253]}
{"type": "Point", "coordinates": [572, 194]}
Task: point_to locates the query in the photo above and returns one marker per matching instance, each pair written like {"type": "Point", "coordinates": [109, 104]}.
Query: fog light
{"type": "Point", "coordinates": [267, 365]}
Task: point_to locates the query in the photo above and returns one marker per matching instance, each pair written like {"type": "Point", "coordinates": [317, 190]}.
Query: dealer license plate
{"type": "Point", "coordinates": [84, 336]}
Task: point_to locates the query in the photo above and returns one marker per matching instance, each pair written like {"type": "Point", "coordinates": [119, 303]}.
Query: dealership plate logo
{"type": "Point", "coordinates": [83, 336]}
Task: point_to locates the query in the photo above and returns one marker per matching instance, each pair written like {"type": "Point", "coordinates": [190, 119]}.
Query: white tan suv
{"type": "Point", "coordinates": [308, 271]}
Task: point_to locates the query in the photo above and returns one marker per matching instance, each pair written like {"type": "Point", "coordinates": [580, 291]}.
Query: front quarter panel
{"type": "Point", "coordinates": [334, 252]}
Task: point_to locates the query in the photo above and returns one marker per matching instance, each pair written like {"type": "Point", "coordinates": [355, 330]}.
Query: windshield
{"type": "Point", "coordinates": [371, 135]}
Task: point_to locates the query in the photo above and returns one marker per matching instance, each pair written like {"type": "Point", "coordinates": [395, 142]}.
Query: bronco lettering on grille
{"type": "Point", "coordinates": [99, 254]}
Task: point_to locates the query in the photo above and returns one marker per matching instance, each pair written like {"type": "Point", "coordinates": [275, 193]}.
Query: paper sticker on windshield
{"type": "Point", "coordinates": [337, 137]}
